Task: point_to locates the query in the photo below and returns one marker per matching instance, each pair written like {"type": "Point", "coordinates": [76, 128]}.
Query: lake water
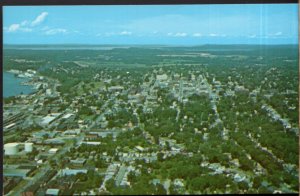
{"type": "Point", "coordinates": [12, 85]}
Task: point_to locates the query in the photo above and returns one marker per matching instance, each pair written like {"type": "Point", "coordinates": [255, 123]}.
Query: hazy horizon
{"type": "Point", "coordinates": [183, 45]}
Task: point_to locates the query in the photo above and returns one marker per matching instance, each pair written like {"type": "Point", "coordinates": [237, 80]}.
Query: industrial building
{"type": "Point", "coordinates": [16, 172]}
{"type": "Point", "coordinates": [14, 148]}
{"type": "Point", "coordinates": [28, 147]}
{"type": "Point", "coordinates": [11, 148]}
{"type": "Point", "coordinates": [52, 192]}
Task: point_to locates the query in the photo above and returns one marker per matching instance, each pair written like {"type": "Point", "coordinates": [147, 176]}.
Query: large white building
{"type": "Point", "coordinates": [28, 147]}
{"type": "Point", "coordinates": [162, 77]}
{"type": "Point", "coordinates": [11, 148]}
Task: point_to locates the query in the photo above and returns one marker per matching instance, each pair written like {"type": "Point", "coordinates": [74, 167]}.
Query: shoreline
{"type": "Point", "coordinates": [26, 83]}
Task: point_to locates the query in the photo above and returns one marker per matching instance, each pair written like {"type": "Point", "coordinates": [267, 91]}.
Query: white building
{"type": "Point", "coordinates": [11, 148]}
{"type": "Point", "coordinates": [28, 147]}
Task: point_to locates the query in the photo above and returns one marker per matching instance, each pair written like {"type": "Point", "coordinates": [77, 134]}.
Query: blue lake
{"type": "Point", "coordinates": [12, 85]}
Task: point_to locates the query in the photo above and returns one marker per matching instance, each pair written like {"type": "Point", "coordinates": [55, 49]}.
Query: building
{"type": "Point", "coordinates": [90, 143]}
{"type": "Point", "coordinates": [28, 147]}
{"type": "Point", "coordinates": [241, 89]}
{"type": "Point", "coordinates": [115, 88]}
{"type": "Point", "coordinates": [91, 136]}
{"type": "Point", "coordinates": [47, 120]}
{"type": "Point", "coordinates": [72, 132]}
{"type": "Point", "coordinates": [178, 182]}
{"type": "Point", "coordinates": [32, 190]}
{"type": "Point", "coordinates": [66, 116]}
{"type": "Point", "coordinates": [78, 162]}
{"type": "Point", "coordinates": [162, 77]}
{"type": "Point", "coordinates": [11, 148]}
{"type": "Point", "coordinates": [52, 192]}
{"type": "Point", "coordinates": [54, 141]}
{"type": "Point", "coordinates": [42, 134]}
{"type": "Point", "coordinates": [68, 172]}
{"type": "Point", "coordinates": [120, 175]}
{"type": "Point", "coordinates": [53, 150]}
{"type": "Point", "coordinates": [140, 148]}
{"type": "Point", "coordinates": [16, 172]}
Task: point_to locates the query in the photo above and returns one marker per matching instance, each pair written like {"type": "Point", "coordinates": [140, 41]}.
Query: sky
{"type": "Point", "coordinates": [152, 24]}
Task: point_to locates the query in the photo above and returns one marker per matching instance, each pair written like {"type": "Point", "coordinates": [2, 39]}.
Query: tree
{"type": "Point", "coordinates": [160, 190]}
{"type": "Point", "coordinates": [84, 110]}
{"type": "Point", "coordinates": [160, 156]}
{"type": "Point", "coordinates": [168, 147]}
{"type": "Point", "coordinates": [173, 190]}
{"type": "Point", "coordinates": [243, 185]}
{"type": "Point", "coordinates": [46, 136]}
{"type": "Point", "coordinates": [110, 184]}
{"type": "Point", "coordinates": [52, 163]}
{"type": "Point", "coordinates": [81, 176]}
{"type": "Point", "coordinates": [132, 177]}
{"type": "Point", "coordinates": [198, 183]}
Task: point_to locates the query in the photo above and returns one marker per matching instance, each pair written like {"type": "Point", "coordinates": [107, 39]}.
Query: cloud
{"type": "Point", "coordinates": [177, 34]}
{"type": "Point", "coordinates": [125, 33]}
{"type": "Point", "coordinates": [273, 35]}
{"type": "Point", "coordinates": [39, 19]}
{"type": "Point", "coordinates": [109, 34]}
{"type": "Point", "coordinates": [13, 27]}
{"type": "Point", "coordinates": [56, 31]}
{"type": "Point", "coordinates": [17, 27]}
{"type": "Point", "coordinates": [213, 35]}
{"type": "Point", "coordinates": [180, 35]}
{"type": "Point", "coordinates": [278, 33]}
{"type": "Point", "coordinates": [45, 28]}
{"type": "Point", "coordinates": [252, 36]}
{"type": "Point", "coordinates": [197, 35]}
{"type": "Point", "coordinates": [26, 29]}
{"type": "Point", "coordinates": [217, 35]}
{"type": "Point", "coordinates": [24, 23]}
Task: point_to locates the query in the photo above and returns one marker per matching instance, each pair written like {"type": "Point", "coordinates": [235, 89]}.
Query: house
{"type": "Point", "coordinates": [178, 182]}
{"type": "Point", "coordinates": [140, 148]}
{"type": "Point", "coordinates": [155, 181]}
{"type": "Point", "coordinates": [239, 178]}
{"type": "Point", "coordinates": [53, 151]}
